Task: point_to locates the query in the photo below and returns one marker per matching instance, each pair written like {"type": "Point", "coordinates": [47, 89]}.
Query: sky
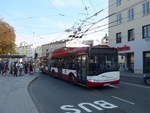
{"type": "Point", "coordinates": [43, 21]}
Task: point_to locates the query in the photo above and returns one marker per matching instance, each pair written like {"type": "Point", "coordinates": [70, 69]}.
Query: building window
{"type": "Point", "coordinates": [118, 3]}
{"type": "Point", "coordinates": [130, 14]}
{"type": "Point", "coordinates": [146, 60]}
{"type": "Point", "coordinates": [146, 31]}
{"type": "Point", "coordinates": [118, 37]}
{"type": "Point", "coordinates": [146, 8]}
{"type": "Point", "coordinates": [131, 35]}
{"type": "Point", "coordinates": [119, 19]}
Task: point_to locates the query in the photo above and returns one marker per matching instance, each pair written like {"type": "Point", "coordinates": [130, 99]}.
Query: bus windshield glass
{"type": "Point", "coordinates": [101, 63]}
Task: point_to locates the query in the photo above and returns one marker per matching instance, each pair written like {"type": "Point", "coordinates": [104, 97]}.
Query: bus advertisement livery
{"type": "Point", "coordinates": [90, 66]}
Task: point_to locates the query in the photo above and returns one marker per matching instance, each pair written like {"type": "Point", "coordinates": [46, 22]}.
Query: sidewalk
{"type": "Point", "coordinates": [132, 78]}
{"type": "Point", "coordinates": [14, 96]}
{"type": "Point", "coordinates": [129, 74]}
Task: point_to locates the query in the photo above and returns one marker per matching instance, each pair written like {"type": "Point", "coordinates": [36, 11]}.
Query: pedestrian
{"type": "Point", "coordinates": [1, 67]}
{"type": "Point", "coordinates": [20, 68]}
{"type": "Point", "coordinates": [15, 69]}
{"type": "Point", "coordinates": [11, 68]}
{"type": "Point", "coordinates": [5, 69]}
{"type": "Point", "coordinates": [31, 68]}
{"type": "Point", "coordinates": [26, 68]}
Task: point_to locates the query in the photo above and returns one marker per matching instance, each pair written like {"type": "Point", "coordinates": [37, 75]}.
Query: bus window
{"type": "Point", "coordinates": [102, 63]}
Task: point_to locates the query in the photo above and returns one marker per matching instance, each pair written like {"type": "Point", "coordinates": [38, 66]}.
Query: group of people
{"type": "Point", "coordinates": [16, 68]}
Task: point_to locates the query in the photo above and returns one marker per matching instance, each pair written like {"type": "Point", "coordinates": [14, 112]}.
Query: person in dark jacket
{"type": "Point", "coordinates": [1, 67]}
{"type": "Point", "coordinates": [15, 69]}
{"type": "Point", "coordinates": [31, 68]}
{"type": "Point", "coordinates": [26, 67]}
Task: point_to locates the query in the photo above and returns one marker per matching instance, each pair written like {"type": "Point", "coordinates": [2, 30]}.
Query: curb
{"type": "Point", "coordinates": [140, 77]}
{"type": "Point", "coordinates": [30, 94]}
{"type": "Point", "coordinates": [32, 81]}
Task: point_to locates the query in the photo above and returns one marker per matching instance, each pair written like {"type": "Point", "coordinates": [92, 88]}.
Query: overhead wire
{"type": "Point", "coordinates": [110, 16]}
{"type": "Point", "coordinates": [85, 7]}
{"type": "Point", "coordinates": [111, 5]}
{"type": "Point", "coordinates": [84, 21]}
{"type": "Point", "coordinates": [111, 26]}
{"type": "Point", "coordinates": [91, 4]}
{"type": "Point", "coordinates": [59, 12]}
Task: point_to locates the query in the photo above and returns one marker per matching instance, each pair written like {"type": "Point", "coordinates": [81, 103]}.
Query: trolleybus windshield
{"type": "Point", "coordinates": [100, 63]}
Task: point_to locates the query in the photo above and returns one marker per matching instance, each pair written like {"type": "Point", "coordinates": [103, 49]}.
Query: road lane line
{"type": "Point", "coordinates": [136, 85]}
{"type": "Point", "coordinates": [123, 100]}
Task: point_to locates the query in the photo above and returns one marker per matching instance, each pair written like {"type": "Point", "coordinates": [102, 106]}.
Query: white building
{"type": "Point", "coordinates": [50, 47]}
{"type": "Point", "coordinates": [25, 49]}
{"type": "Point", "coordinates": [129, 31]}
{"type": "Point", "coordinates": [38, 50]}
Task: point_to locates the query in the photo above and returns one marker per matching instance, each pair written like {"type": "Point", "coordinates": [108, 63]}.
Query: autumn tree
{"type": "Point", "coordinates": [7, 38]}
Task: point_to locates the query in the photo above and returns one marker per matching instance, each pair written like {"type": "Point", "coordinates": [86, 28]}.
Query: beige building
{"type": "Point", "coordinates": [50, 47]}
{"type": "Point", "coordinates": [129, 31]}
{"type": "Point", "coordinates": [38, 50]}
{"type": "Point", "coordinates": [25, 49]}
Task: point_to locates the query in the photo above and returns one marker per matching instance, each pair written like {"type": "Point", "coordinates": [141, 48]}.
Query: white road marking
{"type": "Point", "coordinates": [136, 85]}
{"type": "Point", "coordinates": [113, 86]}
{"type": "Point", "coordinates": [123, 100]}
{"type": "Point", "coordinates": [97, 105]}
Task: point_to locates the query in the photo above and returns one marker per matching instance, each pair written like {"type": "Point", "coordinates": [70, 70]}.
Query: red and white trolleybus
{"type": "Point", "coordinates": [90, 66]}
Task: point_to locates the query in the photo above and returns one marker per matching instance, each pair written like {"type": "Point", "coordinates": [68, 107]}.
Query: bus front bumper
{"type": "Point", "coordinates": [97, 84]}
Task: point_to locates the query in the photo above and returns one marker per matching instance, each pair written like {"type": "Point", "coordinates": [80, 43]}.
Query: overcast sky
{"type": "Point", "coordinates": [42, 21]}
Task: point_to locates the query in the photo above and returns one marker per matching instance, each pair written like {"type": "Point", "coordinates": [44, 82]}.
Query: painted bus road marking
{"type": "Point", "coordinates": [98, 105]}
{"type": "Point", "coordinates": [123, 100]}
{"type": "Point", "coordinates": [83, 106]}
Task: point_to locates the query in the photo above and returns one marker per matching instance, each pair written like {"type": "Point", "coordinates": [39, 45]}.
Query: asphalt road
{"type": "Point", "coordinates": [52, 95]}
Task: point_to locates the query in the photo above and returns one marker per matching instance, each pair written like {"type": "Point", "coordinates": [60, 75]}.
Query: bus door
{"type": "Point", "coordinates": [82, 70]}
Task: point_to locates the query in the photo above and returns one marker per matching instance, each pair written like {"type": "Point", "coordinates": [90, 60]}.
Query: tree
{"type": "Point", "coordinates": [7, 38]}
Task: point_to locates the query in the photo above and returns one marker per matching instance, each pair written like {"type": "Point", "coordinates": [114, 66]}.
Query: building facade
{"type": "Point", "coordinates": [129, 31]}
{"type": "Point", "coordinates": [50, 47]}
{"type": "Point", "coordinates": [38, 50]}
{"type": "Point", "coordinates": [25, 49]}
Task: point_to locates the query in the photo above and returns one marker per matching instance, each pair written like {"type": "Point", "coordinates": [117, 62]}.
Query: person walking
{"type": "Point", "coordinates": [20, 69]}
{"type": "Point", "coordinates": [5, 69]}
{"type": "Point", "coordinates": [15, 69]}
{"type": "Point", "coordinates": [1, 67]}
{"type": "Point", "coordinates": [26, 68]}
{"type": "Point", "coordinates": [11, 68]}
{"type": "Point", "coordinates": [31, 68]}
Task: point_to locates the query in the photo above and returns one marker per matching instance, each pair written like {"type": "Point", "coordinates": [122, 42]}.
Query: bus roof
{"type": "Point", "coordinates": [70, 51]}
